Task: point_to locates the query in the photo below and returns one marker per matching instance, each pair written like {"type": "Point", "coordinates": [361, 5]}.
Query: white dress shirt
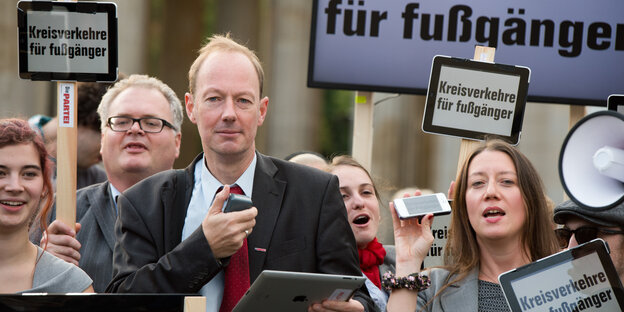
{"type": "Point", "coordinates": [114, 193]}
{"type": "Point", "coordinates": [204, 191]}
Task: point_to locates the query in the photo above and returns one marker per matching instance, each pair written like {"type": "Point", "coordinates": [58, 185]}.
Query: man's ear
{"type": "Point", "coordinates": [190, 105]}
{"type": "Point", "coordinates": [264, 106]}
{"type": "Point", "coordinates": [102, 142]}
{"type": "Point", "coordinates": [178, 140]}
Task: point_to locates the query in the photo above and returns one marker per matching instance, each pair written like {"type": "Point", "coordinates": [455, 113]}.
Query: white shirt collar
{"type": "Point", "coordinates": [114, 193]}
{"type": "Point", "coordinates": [210, 184]}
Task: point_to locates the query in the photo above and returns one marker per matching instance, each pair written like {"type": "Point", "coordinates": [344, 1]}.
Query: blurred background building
{"type": "Point", "coordinates": [161, 38]}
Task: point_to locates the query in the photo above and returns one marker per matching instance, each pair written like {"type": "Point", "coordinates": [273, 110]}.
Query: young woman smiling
{"type": "Point", "coordinates": [24, 187]}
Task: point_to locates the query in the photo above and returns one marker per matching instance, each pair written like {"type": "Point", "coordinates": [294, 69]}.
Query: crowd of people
{"type": "Point", "coordinates": [151, 228]}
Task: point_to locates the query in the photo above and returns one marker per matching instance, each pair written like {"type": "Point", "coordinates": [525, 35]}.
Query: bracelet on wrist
{"type": "Point", "coordinates": [413, 281]}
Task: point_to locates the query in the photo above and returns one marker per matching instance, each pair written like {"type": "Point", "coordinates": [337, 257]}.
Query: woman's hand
{"type": "Point", "coordinates": [412, 240]}
{"type": "Point", "coordinates": [337, 306]}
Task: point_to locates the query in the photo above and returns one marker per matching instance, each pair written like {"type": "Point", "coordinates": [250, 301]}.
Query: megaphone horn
{"type": "Point", "coordinates": [591, 162]}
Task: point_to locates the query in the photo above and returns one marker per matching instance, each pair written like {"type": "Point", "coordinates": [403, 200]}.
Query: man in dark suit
{"type": "Point", "coordinates": [172, 233]}
{"type": "Point", "coordinates": [141, 119]}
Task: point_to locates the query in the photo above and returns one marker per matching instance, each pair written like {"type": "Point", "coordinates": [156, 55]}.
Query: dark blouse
{"type": "Point", "coordinates": [491, 298]}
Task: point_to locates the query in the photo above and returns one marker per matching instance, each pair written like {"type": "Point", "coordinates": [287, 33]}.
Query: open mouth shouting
{"type": "Point", "coordinates": [493, 213]}
{"type": "Point", "coordinates": [361, 220]}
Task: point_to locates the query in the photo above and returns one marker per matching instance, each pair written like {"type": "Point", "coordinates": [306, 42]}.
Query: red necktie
{"type": "Point", "coordinates": [236, 273]}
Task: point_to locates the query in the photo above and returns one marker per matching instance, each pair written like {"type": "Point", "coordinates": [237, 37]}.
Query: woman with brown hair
{"type": "Point", "coordinates": [500, 221]}
{"type": "Point", "coordinates": [362, 201]}
{"type": "Point", "coordinates": [24, 187]}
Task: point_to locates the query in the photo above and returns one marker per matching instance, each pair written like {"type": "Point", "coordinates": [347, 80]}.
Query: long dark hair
{"type": "Point", "coordinates": [462, 251]}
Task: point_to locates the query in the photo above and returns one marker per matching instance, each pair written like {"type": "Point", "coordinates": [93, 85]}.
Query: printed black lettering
{"type": "Point", "coordinates": [409, 15]}
{"type": "Point", "coordinates": [516, 34]}
{"type": "Point", "coordinates": [571, 36]}
{"type": "Point", "coordinates": [465, 22]}
{"type": "Point", "coordinates": [597, 31]}
{"type": "Point", "coordinates": [493, 31]}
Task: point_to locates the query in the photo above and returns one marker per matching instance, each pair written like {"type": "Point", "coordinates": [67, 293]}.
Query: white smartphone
{"type": "Point", "coordinates": [418, 206]}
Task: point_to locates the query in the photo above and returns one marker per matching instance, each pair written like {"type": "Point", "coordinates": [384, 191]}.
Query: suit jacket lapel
{"type": "Point", "coordinates": [268, 193]}
{"type": "Point", "coordinates": [462, 296]}
{"type": "Point", "coordinates": [101, 204]}
{"type": "Point", "coordinates": [175, 200]}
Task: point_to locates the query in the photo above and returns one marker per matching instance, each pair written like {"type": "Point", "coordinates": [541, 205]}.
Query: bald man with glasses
{"type": "Point", "coordinates": [141, 119]}
{"type": "Point", "coordinates": [581, 225]}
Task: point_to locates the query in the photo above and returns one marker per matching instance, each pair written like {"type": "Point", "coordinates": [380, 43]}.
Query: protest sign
{"type": "Point", "coordinates": [574, 48]}
{"type": "Point", "coordinates": [67, 41]}
{"type": "Point", "coordinates": [472, 99]}
{"type": "Point", "coordinates": [579, 279]}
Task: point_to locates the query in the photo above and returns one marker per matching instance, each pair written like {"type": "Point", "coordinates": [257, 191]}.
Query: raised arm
{"type": "Point", "coordinates": [412, 239]}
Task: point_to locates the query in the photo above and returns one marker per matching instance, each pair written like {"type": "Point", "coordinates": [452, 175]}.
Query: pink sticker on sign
{"type": "Point", "coordinates": [66, 104]}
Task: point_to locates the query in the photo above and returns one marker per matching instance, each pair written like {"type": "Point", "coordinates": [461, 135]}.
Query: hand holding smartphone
{"type": "Point", "coordinates": [237, 202]}
{"type": "Point", "coordinates": [418, 206]}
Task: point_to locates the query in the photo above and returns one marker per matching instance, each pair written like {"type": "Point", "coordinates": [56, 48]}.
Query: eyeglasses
{"type": "Point", "coordinates": [582, 235]}
{"type": "Point", "coordinates": [147, 124]}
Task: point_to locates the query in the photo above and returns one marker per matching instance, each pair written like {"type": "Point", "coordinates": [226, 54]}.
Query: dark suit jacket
{"type": "Point", "coordinates": [301, 223]}
{"type": "Point", "coordinates": [96, 215]}
{"type": "Point", "coordinates": [95, 211]}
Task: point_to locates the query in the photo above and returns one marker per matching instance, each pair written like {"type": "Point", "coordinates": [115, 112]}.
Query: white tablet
{"type": "Point", "coordinates": [578, 279]}
{"type": "Point", "coordinates": [295, 291]}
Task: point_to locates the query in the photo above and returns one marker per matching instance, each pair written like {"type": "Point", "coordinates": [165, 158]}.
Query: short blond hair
{"type": "Point", "coordinates": [224, 43]}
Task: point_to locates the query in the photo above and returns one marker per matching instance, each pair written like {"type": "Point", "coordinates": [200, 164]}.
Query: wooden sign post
{"type": "Point", "coordinates": [576, 113]}
{"type": "Point", "coordinates": [66, 157]}
{"type": "Point", "coordinates": [485, 54]}
{"type": "Point", "coordinates": [362, 148]}
{"type": "Point", "coordinates": [195, 304]}
{"type": "Point", "coordinates": [86, 51]}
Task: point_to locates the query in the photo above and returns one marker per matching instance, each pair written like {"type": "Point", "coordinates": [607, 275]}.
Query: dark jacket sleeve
{"type": "Point", "coordinates": [158, 261]}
